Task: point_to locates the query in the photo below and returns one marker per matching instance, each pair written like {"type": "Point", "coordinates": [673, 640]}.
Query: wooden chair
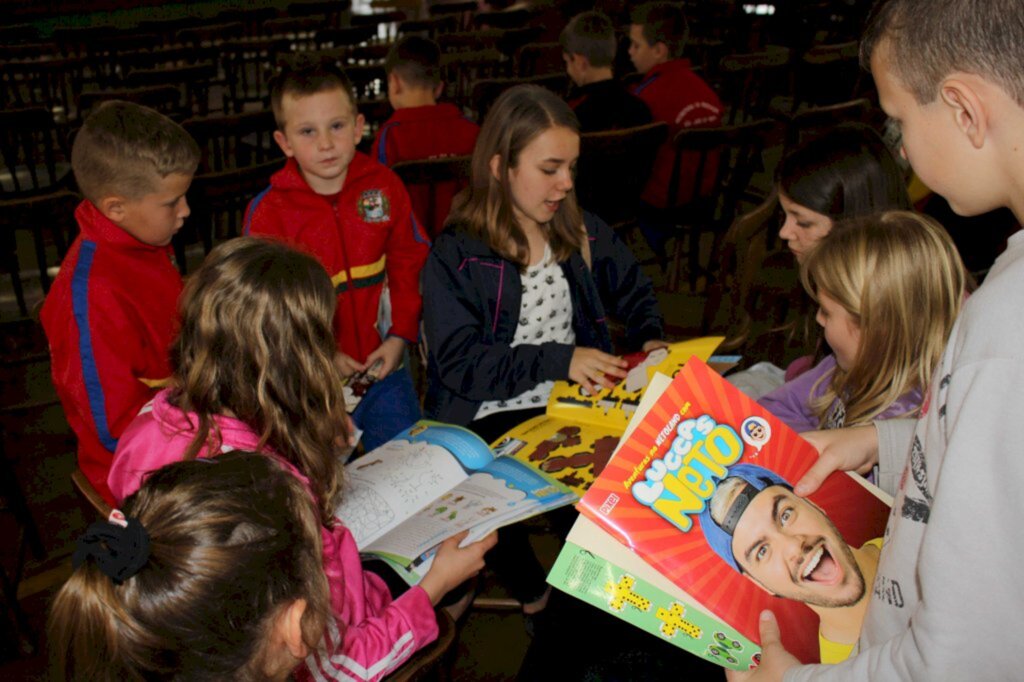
{"type": "Point", "coordinates": [515, 18]}
{"type": "Point", "coordinates": [192, 81]}
{"type": "Point", "coordinates": [459, 70]}
{"type": "Point", "coordinates": [89, 495]}
{"type": "Point", "coordinates": [827, 74]}
{"type": "Point", "coordinates": [430, 662]}
{"type": "Point", "coordinates": [613, 168]}
{"type": "Point", "coordinates": [349, 36]}
{"type": "Point", "coordinates": [218, 201]}
{"type": "Point", "coordinates": [718, 164]}
{"type": "Point", "coordinates": [432, 183]}
{"type": "Point", "coordinates": [164, 98]}
{"type": "Point", "coordinates": [816, 120]}
{"type": "Point", "coordinates": [50, 219]}
{"type": "Point", "coordinates": [385, 24]}
{"type": "Point", "coordinates": [53, 84]}
{"type": "Point", "coordinates": [211, 34]}
{"type": "Point", "coordinates": [299, 31]}
{"type": "Point", "coordinates": [749, 82]}
{"type": "Point", "coordinates": [539, 59]}
{"type": "Point", "coordinates": [228, 141]}
{"type": "Point", "coordinates": [34, 151]}
{"type": "Point", "coordinates": [462, 12]}
{"type": "Point", "coordinates": [484, 92]}
{"type": "Point", "coordinates": [249, 64]}
{"type": "Point", "coordinates": [429, 28]}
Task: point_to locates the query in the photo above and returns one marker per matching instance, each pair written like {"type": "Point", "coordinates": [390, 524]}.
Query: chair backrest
{"type": "Point", "coordinates": [211, 34]}
{"type": "Point", "coordinates": [345, 37]}
{"type": "Point", "coordinates": [432, 184]}
{"type": "Point", "coordinates": [827, 74]}
{"type": "Point", "coordinates": [51, 83]}
{"type": "Point", "coordinates": [459, 70]}
{"type": "Point", "coordinates": [228, 141]}
{"type": "Point", "coordinates": [299, 31]}
{"type": "Point", "coordinates": [164, 98]}
{"type": "Point", "coordinates": [90, 495]}
{"type": "Point", "coordinates": [218, 201]}
{"type": "Point", "coordinates": [816, 120]}
{"type": "Point", "coordinates": [484, 92]}
{"type": "Point", "coordinates": [249, 64]}
{"type": "Point", "coordinates": [33, 150]}
{"type": "Point", "coordinates": [749, 82]}
{"type": "Point", "coordinates": [192, 81]}
{"type": "Point", "coordinates": [385, 24]}
{"type": "Point", "coordinates": [613, 168]}
{"type": "Point", "coordinates": [537, 59]}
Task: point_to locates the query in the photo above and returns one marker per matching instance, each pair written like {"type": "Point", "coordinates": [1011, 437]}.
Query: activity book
{"type": "Point", "coordinates": [640, 550]}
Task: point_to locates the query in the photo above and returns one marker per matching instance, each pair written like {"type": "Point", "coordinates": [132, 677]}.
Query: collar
{"type": "Point", "coordinates": [97, 227]}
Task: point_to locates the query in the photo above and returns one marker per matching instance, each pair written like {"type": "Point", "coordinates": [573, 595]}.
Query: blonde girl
{"type": "Point", "coordinates": [888, 289]}
{"type": "Point", "coordinates": [254, 369]}
{"type": "Point", "coordinates": [212, 572]}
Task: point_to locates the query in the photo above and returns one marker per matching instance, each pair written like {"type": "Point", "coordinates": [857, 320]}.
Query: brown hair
{"type": "Point", "coordinates": [662, 22]}
{"type": "Point", "coordinates": [126, 149]}
{"type": "Point", "coordinates": [484, 209]}
{"type": "Point", "coordinates": [233, 541]}
{"type": "Point", "coordinates": [592, 35]}
{"type": "Point", "coordinates": [305, 76]}
{"type": "Point", "coordinates": [256, 341]}
{"type": "Point", "coordinates": [929, 39]}
{"type": "Point", "coordinates": [416, 60]}
{"type": "Point", "coordinates": [900, 278]}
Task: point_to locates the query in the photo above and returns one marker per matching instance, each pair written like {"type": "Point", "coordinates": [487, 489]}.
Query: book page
{"type": "Point", "coordinates": [396, 480]}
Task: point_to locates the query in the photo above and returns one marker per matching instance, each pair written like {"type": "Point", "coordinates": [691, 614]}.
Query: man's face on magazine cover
{"type": "Point", "coordinates": [792, 549]}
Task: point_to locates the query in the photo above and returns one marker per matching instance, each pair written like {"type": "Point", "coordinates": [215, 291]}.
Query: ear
{"type": "Point", "coordinates": [496, 166]}
{"type": "Point", "coordinates": [394, 84]}
{"type": "Point", "coordinates": [438, 90]}
{"type": "Point", "coordinates": [661, 51]}
{"type": "Point", "coordinates": [360, 125]}
{"type": "Point", "coordinates": [282, 142]}
{"type": "Point", "coordinates": [288, 629]}
{"type": "Point", "coordinates": [968, 108]}
{"type": "Point", "coordinates": [113, 208]}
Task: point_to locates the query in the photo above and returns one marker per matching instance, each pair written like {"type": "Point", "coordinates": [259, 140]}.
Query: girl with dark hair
{"type": "Point", "coordinates": [211, 572]}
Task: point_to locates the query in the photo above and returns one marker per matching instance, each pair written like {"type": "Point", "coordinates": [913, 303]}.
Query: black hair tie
{"type": "Point", "coordinates": [118, 546]}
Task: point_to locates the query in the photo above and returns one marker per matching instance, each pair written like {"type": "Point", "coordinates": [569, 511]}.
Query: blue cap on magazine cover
{"type": "Point", "coordinates": [719, 537]}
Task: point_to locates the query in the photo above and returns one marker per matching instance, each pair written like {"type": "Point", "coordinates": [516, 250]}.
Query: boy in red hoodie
{"type": "Point", "coordinates": [111, 314]}
{"type": "Point", "coordinates": [354, 216]}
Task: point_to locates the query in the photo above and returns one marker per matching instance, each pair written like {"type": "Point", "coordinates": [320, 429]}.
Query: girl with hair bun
{"type": "Point", "coordinates": [211, 572]}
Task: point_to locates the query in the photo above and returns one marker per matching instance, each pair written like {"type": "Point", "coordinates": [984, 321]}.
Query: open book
{"type": "Point", "coordinates": [666, 552]}
{"type": "Point", "coordinates": [577, 435]}
{"type": "Point", "coordinates": [431, 482]}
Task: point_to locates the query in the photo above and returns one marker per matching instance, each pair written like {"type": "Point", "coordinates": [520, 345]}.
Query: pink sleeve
{"type": "Point", "coordinates": [142, 448]}
{"type": "Point", "coordinates": [377, 634]}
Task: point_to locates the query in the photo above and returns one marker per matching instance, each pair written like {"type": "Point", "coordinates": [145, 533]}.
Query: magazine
{"type": "Point", "coordinates": [578, 433]}
{"type": "Point", "coordinates": [684, 493]}
{"type": "Point", "coordinates": [433, 481]}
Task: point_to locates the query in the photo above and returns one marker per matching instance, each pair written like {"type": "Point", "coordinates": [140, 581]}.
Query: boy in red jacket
{"type": "Point", "coordinates": [421, 128]}
{"type": "Point", "coordinates": [354, 216]}
{"type": "Point", "coordinates": [111, 314]}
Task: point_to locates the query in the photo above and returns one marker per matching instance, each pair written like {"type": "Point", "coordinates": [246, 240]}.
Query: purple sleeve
{"type": "Point", "coordinates": [791, 402]}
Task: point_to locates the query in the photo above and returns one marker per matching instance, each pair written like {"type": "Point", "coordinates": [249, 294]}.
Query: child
{"type": "Point", "coordinates": [211, 572]}
{"type": "Point", "coordinates": [674, 94]}
{"type": "Point", "coordinates": [110, 315]}
{"type": "Point", "coordinates": [946, 71]}
{"type": "Point", "coordinates": [421, 128]}
{"type": "Point", "coordinates": [844, 173]}
{"type": "Point", "coordinates": [888, 290]}
{"type": "Point", "coordinates": [599, 101]}
{"type": "Point", "coordinates": [517, 287]}
{"type": "Point", "coordinates": [354, 216]}
{"type": "Point", "coordinates": [254, 370]}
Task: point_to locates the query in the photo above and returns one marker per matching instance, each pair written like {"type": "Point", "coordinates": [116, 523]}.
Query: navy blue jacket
{"type": "Point", "coordinates": [471, 301]}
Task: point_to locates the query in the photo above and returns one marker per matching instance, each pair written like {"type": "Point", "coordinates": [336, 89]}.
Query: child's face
{"type": "Point", "coordinates": [802, 228]}
{"type": "Point", "coordinates": [933, 143]}
{"type": "Point", "coordinates": [543, 175]}
{"type": "Point", "coordinates": [321, 132]}
{"type": "Point", "coordinates": [841, 331]}
{"type": "Point", "coordinates": [644, 55]}
{"type": "Point", "coordinates": [154, 218]}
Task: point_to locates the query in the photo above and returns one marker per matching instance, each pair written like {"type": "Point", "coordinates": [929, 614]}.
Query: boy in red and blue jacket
{"type": "Point", "coordinates": [111, 314]}
{"type": "Point", "coordinates": [354, 216]}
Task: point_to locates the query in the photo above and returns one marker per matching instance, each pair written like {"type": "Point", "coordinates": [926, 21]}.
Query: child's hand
{"type": "Point", "coordinates": [654, 344]}
{"type": "Point", "coordinates": [390, 352]}
{"type": "Point", "coordinates": [850, 449]}
{"type": "Point", "coordinates": [591, 368]}
{"type": "Point", "coordinates": [347, 365]}
{"type": "Point", "coordinates": [453, 565]}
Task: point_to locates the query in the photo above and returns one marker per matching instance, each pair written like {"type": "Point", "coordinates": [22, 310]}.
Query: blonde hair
{"type": "Point", "coordinates": [126, 149]}
{"type": "Point", "coordinates": [900, 278]}
{"type": "Point", "coordinates": [484, 209]}
{"type": "Point", "coordinates": [233, 541]}
{"type": "Point", "coordinates": [256, 342]}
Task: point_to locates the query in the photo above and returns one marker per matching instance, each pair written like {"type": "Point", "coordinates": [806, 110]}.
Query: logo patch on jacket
{"type": "Point", "coordinates": [374, 206]}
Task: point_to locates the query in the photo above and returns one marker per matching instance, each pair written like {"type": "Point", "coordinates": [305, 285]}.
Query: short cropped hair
{"type": "Point", "coordinates": [416, 60]}
{"type": "Point", "coordinates": [662, 22]}
{"type": "Point", "coordinates": [126, 149]}
{"type": "Point", "coordinates": [929, 39]}
{"type": "Point", "coordinates": [592, 35]}
{"type": "Point", "coordinates": [304, 77]}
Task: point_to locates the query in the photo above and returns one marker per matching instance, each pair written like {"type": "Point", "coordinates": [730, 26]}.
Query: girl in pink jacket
{"type": "Point", "coordinates": [254, 370]}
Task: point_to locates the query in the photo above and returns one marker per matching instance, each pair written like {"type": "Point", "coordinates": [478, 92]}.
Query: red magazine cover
{"type": "Point", "coordinates": [702, 492]}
